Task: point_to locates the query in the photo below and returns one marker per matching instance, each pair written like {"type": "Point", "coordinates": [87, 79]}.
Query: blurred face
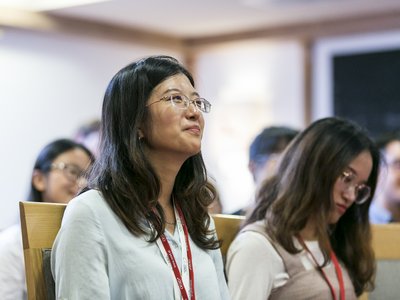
{"type": "Point", "coordinates": [265, 170]}
{"type": "Point", "coordinates": [389, 184]}
{"type": "Point", "coordinates": [61, 183]}
{"type": "Point", "coordinates": [353, 179]}
{"type": "Point", "coordinates": [174, 133]}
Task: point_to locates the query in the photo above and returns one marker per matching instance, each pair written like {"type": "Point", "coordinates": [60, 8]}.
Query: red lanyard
{"type": "Point", "coordinates": [172, 260]}
{"type": "Point", "coordinates": [338, 274]}
{"type": "Point", "coordinates": [337, 269]}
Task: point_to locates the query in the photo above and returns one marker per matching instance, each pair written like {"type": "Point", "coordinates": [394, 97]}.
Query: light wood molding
{"type": "Point", "coordinates": [34, 21]}
{"type": "Point", "coordinates": [42, 22]}
{"type": "Point", "coordinates": [307, 30]}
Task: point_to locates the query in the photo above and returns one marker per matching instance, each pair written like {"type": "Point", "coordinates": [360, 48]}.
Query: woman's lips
{"type": "Point", "coordinates": [194, 129]}
{"type": "Point", "coordinates": [342, 208]}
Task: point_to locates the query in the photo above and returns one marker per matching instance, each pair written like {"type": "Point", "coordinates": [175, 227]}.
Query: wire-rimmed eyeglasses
{"type": "Point", "coordinates": [182, 102]}
{"type": "Point", "coordinates": [72, 172]}
{"type": "Point", "coordinates": [361, 191]}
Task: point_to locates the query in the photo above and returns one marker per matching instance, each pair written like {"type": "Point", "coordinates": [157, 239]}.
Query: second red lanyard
{"type": "Point", "coordinates": [337, 269]}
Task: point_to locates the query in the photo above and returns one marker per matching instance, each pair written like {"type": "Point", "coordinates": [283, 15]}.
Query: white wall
{"type": "Point", "coordinates": [49, 85]}
{"type": "Point", "coordinates": [251, 85]}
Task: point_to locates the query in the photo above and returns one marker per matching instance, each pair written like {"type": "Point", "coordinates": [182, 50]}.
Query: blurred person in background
{"type": "Point", "coordinates": [386, 205]}
{"type": "Point", "coordinates": [56, 178]}
{"type": "Point", "coordinates": [89, 134]}
{"type": "Point", "coordinates": [264, 153]}
{"type": "Point", "coordinates": [309, 236]}
{"type": "Point", "coordinates": [216, 206]}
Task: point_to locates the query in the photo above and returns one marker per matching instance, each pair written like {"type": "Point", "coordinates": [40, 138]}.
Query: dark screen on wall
{"type": "Point", "coordinates": [366, 89]}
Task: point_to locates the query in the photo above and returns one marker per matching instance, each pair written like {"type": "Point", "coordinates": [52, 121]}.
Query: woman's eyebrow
{"type": "Point", "coordinates": [172, 90]}
{"type": "Point", "coordinates": [194, 93]}
{"type": "Point", "coordinates": [352, 170]}
{"type": "Point", "coordinates": [355, 173]}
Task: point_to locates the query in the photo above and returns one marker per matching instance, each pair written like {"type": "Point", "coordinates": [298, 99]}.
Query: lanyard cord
{"type": "Point", "coordinates": [187, 263]}
{"type": "Point", "coordinates": [189, 252]}
{"type": "Point", "coordinates": [321, 270]}
{"type": "Point", "coordinates": [338, 274]}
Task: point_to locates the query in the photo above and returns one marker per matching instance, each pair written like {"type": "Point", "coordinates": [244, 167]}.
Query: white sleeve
{"type": "Point", "coordinates": [253, 266]}
{"type": "Point", "coordinates": [78, 259]}
{"type": "Point", "coordinates": [12, 267]}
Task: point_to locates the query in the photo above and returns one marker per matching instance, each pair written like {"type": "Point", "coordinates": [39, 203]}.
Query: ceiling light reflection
{"type": "Point", "coordinates": [42, 5]}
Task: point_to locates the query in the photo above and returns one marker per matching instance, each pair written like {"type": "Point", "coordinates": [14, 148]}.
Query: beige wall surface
{"type": "Point", "coordinates": [50, 84]}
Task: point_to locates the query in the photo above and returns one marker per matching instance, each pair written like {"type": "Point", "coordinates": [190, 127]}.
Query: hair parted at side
{"type": "Point", "coordinates": [303, 188]}
{"type": "Point", "coordinates": [124, 175]}
{"type": "Point", "coordinates": [47, 156]}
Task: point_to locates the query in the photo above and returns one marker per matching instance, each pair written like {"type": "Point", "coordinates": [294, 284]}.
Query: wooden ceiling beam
{"type": "Point", "coordinates": [307, 30]}
{"type": "Point", "coordinates": [42, 22]}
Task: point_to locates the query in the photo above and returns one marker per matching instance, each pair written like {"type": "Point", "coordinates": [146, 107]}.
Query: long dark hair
{"type": "Point", "coordinates": [302, 188]}
{"type": "Point", "coordinates": [124, 175]}
{"type": "Point", "coordinates": [47, 156]}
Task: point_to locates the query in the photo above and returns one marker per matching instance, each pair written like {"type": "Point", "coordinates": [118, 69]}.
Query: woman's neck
{"type": "Point", "coordinates": [165, 200]}
{"type": "Point", "coordinates": [167, 168]}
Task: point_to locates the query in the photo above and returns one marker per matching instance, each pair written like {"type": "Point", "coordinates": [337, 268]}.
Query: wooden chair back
{"type": "Point", "coordinates": [227, 227]}
{"type": "Point", "coordinates": [40, 223]}
{"type": "Point", "coordinates": [386, 245]}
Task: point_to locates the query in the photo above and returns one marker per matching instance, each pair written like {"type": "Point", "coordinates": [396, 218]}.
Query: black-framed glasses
{"type": "Point", "coordinates": [182, 102]}
{"type": "Point", "coordinates": [71, 171]}
{"type": "Point", "coordinates": [361, 191]}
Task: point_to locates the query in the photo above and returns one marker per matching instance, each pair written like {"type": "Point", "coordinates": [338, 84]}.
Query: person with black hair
{"type": "Point", "coordinates": [88, 134]}
{"type": "Point", "coordinates": [385, 208]}
{"type": "Point", "coordinates": [309, 236]}
{"type": "Point", "coordinates": [56, 177]}
{"type": "Point", "coordinates": [141, 229]}
{"type": "Point", "coordinates": [265, 150]}
{"type": "Point", "coordinates": [264, 153]}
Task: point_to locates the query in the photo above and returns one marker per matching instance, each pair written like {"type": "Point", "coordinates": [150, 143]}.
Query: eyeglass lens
{"type": "Point", "coordinates": [361, 192]}
{"type": "Point", "coordinates": [72, 172]}
{"type": "Point", "coordinates": [183, 102]}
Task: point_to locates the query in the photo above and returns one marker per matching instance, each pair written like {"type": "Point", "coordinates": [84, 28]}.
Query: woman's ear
{"type": "Point", "coordinates": [39, 180]}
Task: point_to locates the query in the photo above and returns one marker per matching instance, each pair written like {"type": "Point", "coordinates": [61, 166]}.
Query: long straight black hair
{"type": "Point", "coordinates": [302, 189]}
{"type": "Point", "coordinates": [124, 175]}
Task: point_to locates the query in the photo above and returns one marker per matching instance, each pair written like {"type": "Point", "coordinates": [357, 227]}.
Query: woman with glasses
{"type": "Point", "coordinates": [309, 236]}
{"type": "Point", "coordinates": [58, 171]}
{"type": "Point", "coordinates": [56, 177]}
{"type": "Point", "coordinates": [141, 230]}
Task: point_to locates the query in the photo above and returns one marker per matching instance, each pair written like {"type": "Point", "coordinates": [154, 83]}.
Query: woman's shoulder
{"type": "Point", "coordinates": [257, 228]}
{"type": "Point", "coordinates": [89, 203]}
{"type": "Point", "coordinates": [253, 245]}
{"type": "Point", "coordinates": [252, 237]}
{"type": "Point", "coordinates": [90, 198]}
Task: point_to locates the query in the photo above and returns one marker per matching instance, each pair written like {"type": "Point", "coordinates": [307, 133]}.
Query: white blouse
{"type": "Point", "coordinates": [95, 257]}
{"type": "Point", "coordinates": [12, 267]}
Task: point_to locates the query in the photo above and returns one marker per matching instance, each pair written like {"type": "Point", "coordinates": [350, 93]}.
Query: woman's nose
{"type": "Point", "coordinates": [351, 193]}
{"type": "Point", "coordinates": [193, 110]}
